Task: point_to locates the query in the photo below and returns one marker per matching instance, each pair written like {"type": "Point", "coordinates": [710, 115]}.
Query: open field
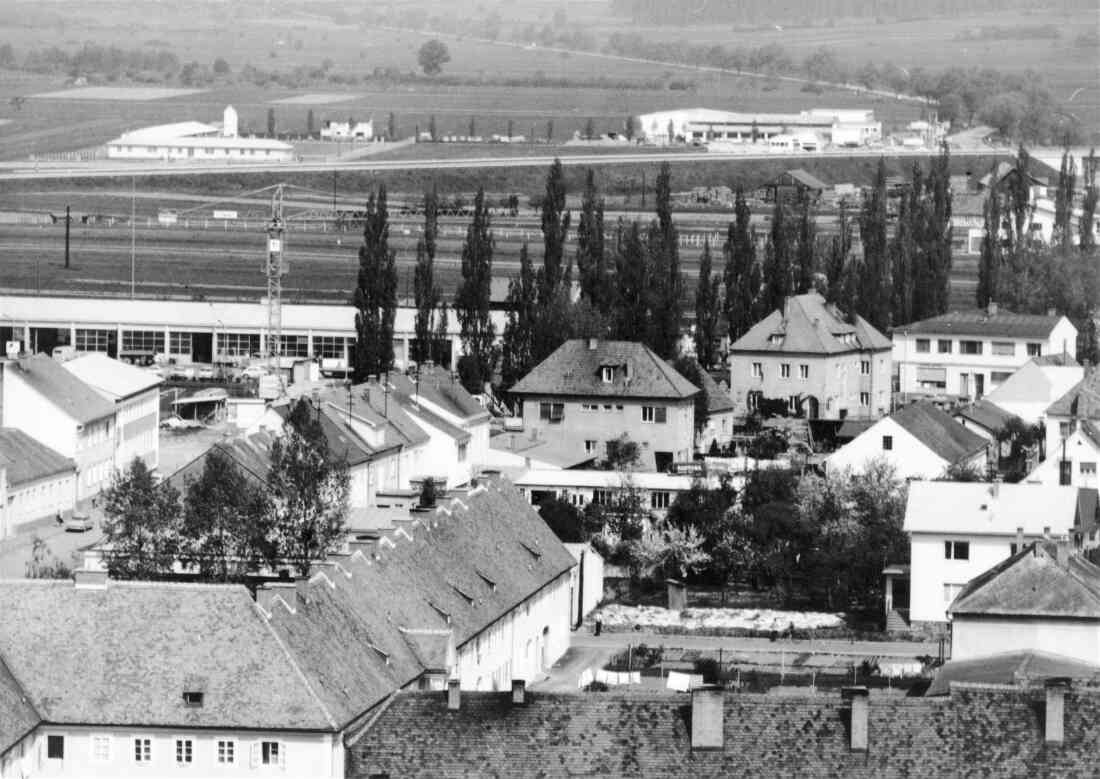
{"type": "Point", "coordinates": [116, 93]}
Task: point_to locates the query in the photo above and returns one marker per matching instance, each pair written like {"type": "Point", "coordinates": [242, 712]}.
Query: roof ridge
{"type": "Point", "coordinates": [661, 365]}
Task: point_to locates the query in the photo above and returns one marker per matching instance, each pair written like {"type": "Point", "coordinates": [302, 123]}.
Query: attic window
{"type": "Point", "coordinates": [464, 596]}
{"type": "Point", "coordinates": [192, 698]}
{"type": "Point", "coordinates": [534, 552]}
{"type": "Point", "coordinates": [775, 339]}
{"type": "Point", "coordinates": [441, 612]}
{"type": "Point", "coordinates": [492, 584]}
{"type": "Point", "coordinates": [607, 373]}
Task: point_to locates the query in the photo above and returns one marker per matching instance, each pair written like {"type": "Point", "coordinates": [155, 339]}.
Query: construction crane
{"type": "Point", "coordinates": [275, 268]}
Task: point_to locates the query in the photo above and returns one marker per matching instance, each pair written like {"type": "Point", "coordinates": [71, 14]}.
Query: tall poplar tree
{"type": "Point", "coordinates": [777, 259]}
{"type": "Point", "coordinates": [472, 301]}
{"type": "Point", "coordinates": [935, 239]}
{"type": "Point", "coordinates": [376, 294]}
{"type": "Point", "coordinates": [805, 253]}
{"type": "Point", "coordinates": [591, 257]}
{"type": "Point", "coordinates": [426, 293]}
{"type": "Point", "coordinates": [1085, 225]}
{"type": "Point", "coordinates": [873, 291]}
{"type": "Point", "coordinates": [991, 260]}
{"type": "Point", "coordinates": [517, 355]}
{"type": "Point", "coordinates": [1063, 202]}
{"type": "Point", "coordinates": [708, 310]}
{"type": "Point", "coordinates": [666, 281]}
{"type": "Point", "coordinates": [632, 278]}
{"type": "Point", "coordinates": [555, 227]}
{"type": "Point", "coordinates": [742, 271]}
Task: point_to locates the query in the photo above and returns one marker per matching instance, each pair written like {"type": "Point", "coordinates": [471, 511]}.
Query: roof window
{"type": "Point", "coordinates": [192, 698]}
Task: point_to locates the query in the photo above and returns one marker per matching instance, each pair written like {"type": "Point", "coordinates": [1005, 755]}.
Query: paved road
{"type": "Point", "coordinates": [16, 551]}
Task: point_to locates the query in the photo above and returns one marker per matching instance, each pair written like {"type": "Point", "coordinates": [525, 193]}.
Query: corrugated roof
{"type": "Point", "coordinates": [27, 460]}
{"type": "Point", "coordinates": [1081, 402]}
{"type": "Point", "coordinates": [1032, 583]}
{"type": "Point", "coordinates": [113, 379]}
{"type": "Point", "coordinates": [937, 430]}
{"type": "Point", "coordinates": [120, 656]}
{"type": "Point", "coordinates": [808, 325]}
{"type": "Point", "coordinates": [984, 508]}
{"type": "Point", "coordinates": [72, 396]}
{"type": "Point", "coordinates": [1011, 668]}
{"type": "Point", "coordinates": [1004, 324]}
{"type": "Point", "coordinates": [574, 369]}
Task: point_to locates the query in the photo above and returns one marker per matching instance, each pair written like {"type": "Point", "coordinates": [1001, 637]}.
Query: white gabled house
{"type": "Point", "coordinates": [1028, 392]}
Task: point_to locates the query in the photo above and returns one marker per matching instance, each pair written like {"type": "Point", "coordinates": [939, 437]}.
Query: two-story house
{"type": "Point", "coordinates": [1073, 436]}
{"type": "Point", "coordinates": [810, 354]}
{"type": "Point", "coordinates": [590, 392]}
{"type": "Point", "coordinates": [1028, 392]}
{"type": "Point", "coordinates": [958, 530]}
{"type": "Point", "coordinates": [970, 353]}
{"type": "Point", "coordinates": [45, 401]}
{"type": "Point", "coordinates": [136, 395]}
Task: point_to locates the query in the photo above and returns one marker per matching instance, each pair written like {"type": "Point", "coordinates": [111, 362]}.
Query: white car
{"type": "Point", "coordinates": [254, 372]}
{"type": "Point", "coordinates": [78, 522]}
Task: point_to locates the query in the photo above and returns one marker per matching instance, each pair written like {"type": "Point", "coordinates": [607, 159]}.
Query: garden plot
{"type": "Point", "coordinates": [117, 93]}
{"type": "Point", "coordinates": [617, 616]}
{"type": "Point", "coordinates": [316, 98]}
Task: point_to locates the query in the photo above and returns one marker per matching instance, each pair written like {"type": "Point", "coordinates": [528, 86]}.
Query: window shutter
{"type": "Point", "coordinates": [282, 755]}
{"type": "Point", "coordinates": [254, 759]}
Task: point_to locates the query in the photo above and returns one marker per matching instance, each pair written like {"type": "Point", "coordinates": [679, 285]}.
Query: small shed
{"type": "Point", "coordinates": [793, 185]}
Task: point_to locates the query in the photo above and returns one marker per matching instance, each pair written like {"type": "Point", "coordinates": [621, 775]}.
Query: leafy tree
{"type": "Point", "coordinates": [630, 316]}
{"type": "Point", "coordinates": [1063, 202]}
{"type": "Point", "coordinates": [471, 131]}
{"type": "Point", "coordinates": [472, 300]}
{"type": "Point", "coordinates": [304, 420]}
{"type": "Point", "coordinates": [590, 129]}
{"type": "Point", "coordinates": [549, 131]}
{"type": "Point", "coordinates": [742, 272]}
{"type": "Point", "coordinates": [664, 550]}
{"type": "Point", "coordinates": [778, 260]}
{"type": "Point", "coordinates": [564, 519]}
{"type": "Point", "coordinates": [710, 512]}
{"type": "Point", "coordinates": [431, 311]}
{"type": "Point", "coordinates": [310, 123]}
{"type": "Point", "coordinates": [142, 524]}
{"type": "Point", "coordinates": [992, 253]}
{"type": "Point", "coordinates": [44, 564]}
{"type": "Point", "coordinates": [708, 310]}
{"type": "Point", "coordinates": [271, 123]}
{"type": "Point", "coordinates": [591, 260]}
{"type": "Point", "coordinates": [555, 228]}
{"type": "Point", "coordinates": [665, 279]}
{"type": "Point", "coordinates": [622, 454]}
{"type": "Point", "coordinates": [433, 55]}
{"type": "Point", "coordinates": [221, 67]}
{"type": "Point", "coordinates": [840, 280]}
{"type": "Point", "coordinates": [376, 294]}
{"type": "Point", "coordinates": [1086, 224]}
{"type": "Point", "coordinates": [432, 132]}
{"type": "Point", "coordinates": [517, 357]}
{"type": "Point", "coordinates": [511, 129]}
{"type": "Point", "coordinates": [391, 128]}
{"type": "Point", "coordinates": [308, 496]}
{"type": "Point", "coordinates": [804, 254]}
{"type": "Point", "coordinates": [428, 494]}
{"type": "Point", "coordinates": [872, 289]}
{"type": "Point", "coordinates": [693, 372]}
{"type": "Point", "coordinates": [630, 127]}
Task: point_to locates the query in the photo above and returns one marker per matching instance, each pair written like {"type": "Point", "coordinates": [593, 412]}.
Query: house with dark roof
{"type": "Point", "coordinates": [250, 454]}
{"type": "Point", "coordinates": [984, 417]}
{"type": "Point", "coordinates": [1043, 598]}
{"type": "Point", "coordinates": [957, 530]}
{"type": "Point", "coordinates": [591, 391]}
{"type": "Point", "coordinates": [920, 440]}
{"type": "Point", "coordinates": [809, 354]}
{"type": "Point", "coordinates": [1020, 668]}
{"type": "Point", "coordinates": [35, 481]}
{"type": "Point", "coordinates": [968, 354]}
{"type": "Point", "coordinates": [57, 409]}
{"type": "Point", "coordinates": [720, 414]}
{"type": "Point", "coordinates": [977, 730]}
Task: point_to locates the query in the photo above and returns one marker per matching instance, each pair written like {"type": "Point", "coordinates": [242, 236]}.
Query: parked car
{"type": "Point", "coordinates": [78, 522]}
{"type": "Point", "coordinates": [254, 372]}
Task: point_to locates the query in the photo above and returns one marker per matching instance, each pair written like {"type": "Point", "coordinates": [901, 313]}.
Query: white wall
{"type": "Point", "coordinates": [976, 637]}
{"type": "Point", "coordinates": [306, 755]}
{"type": "Point", "coordinates": [930, 570]}
{"type": "Point", "coordinates": [41, 498]}
{"type": "Point", "coordinates": [1079, 449]}
{"type": "Point", "coordinates": [139, 428]}
{"type": "Point", "coordinates": [911, 458]}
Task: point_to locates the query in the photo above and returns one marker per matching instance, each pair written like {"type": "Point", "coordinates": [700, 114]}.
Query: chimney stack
{"type": "Point", "coordinates": [992, 309]}
{"type": "Point", "coordinates": [519, 692]}
{"type": "Point", "coordinates": [454, 695]}
{"type": "Point", "coordinates": [593, 343]}
{"type": "Point", "coordinates": [860, 710]}
{"type": "Point", "coordinates": [1019, 539]}
{"type": "Point", "coordinates": [1056, 710]}
{"type": "Point", "coordinates": [708, 705]}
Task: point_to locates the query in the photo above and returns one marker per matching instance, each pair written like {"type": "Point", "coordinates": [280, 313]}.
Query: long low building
{"type": "Point", "coordinates": [840, 127]}
{"type": "Point", "coordinates": [190, 331]}
{"type": "Point", "coordinates": [193, 141]}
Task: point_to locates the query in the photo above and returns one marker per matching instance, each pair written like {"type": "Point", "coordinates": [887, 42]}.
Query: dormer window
{"type": "Point", "coordinates": [775, 339]}
{"type": "Point", "coordinates": [192, 699]}
{"type": "Point", "coordinates": [607, 373]}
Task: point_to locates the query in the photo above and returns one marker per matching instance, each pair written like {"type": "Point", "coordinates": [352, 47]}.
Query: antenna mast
{"type": "Point", "coordinates": [275, 269]}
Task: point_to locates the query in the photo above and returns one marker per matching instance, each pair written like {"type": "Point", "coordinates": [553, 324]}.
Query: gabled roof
{"type": "Point", "coordinates": [17, 716]}
{"type": "Point", "coordinates": [719, 400]}
{"type": "Point", "coordinates": [72, 396]}
{"type": "Point", "coordinates": [379, 407]}
{"type": "Point", "coordinates": [990, 508]}
{"type": "Point", "coordinates": [1003, 324]}
{"type": "Point", "coordinates": [440, 387]}
{"type": "Point", "coordinates": [251, 454]}
{"type": "Point", "coordinates": [1081, 402]}
{"type": "Point", "coordinates": [113, 379]}
{"type": "Point", "coordinates": [1017, 668]}
{"type": "Point", "coordinates": [574, 369]}
{"type": "Point", "coordinates": [26, 460]}
{"type": "Point", "coordinates": [985, 414]}
{"type": "Point", "coordinates": [121, 655]}
{"type": "Point", "coordinates": [809, 325]}
{"type": "Point", "coordinates": [426, 578]}
{"type": "Point", "coordinates": [937, 430]}
{"type": "Point", "coordinates": [806, 179]}
{"type": "Point", "coordinates": [1033, 583]}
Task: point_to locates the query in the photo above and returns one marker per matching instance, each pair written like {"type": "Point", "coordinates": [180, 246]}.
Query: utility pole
{"type": "Point", "coordinates": [68, 221]}
{"type": "Point", "coordinates": [275, 269]}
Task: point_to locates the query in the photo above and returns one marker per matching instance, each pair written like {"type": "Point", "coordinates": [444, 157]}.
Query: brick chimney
{"type": "Point", "coordinates": [860, 709]}
{"type": "Point", "coordinates": [519, 692]}
{"type": "Point", "coordinates": [454, 695]}
{"type": "Point", "coordinates": [708, 709]}
{"type": "Point", "coordinates": [1019, 539]}
{"type": "Point", "coordinates": [1055, 715]}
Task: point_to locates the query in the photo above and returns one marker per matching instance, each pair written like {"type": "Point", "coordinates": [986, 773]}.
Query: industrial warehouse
{"type": "Point", "coordinates": [807, 131]}
{"type": "Point", "coordinates": [197, 141]}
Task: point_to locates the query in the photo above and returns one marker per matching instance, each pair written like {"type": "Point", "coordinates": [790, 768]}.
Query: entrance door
{"type": "Point", "coordinates": [964, 384]}
{"type": "Point", "coordinates": [979, 385]}
{"type": "Point", "coordinates": [1065, 472]}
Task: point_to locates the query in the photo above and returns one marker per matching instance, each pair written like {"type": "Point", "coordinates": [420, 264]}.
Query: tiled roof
{"type": "Point", "coordinates": [120, 656]}
{"type": "Point", "coordinates": [986, 414]}
{"type": "Point", "coordinates": [17, 715]}
{"type": "Point", "coordinates": [252, 455]}
{"type": "Point", "coordinates": [378, 406]}
{"type": "Point", "coordinates": [718, 399]}
{"type": "Point", "coordinates": [809, 325]}
{"type": "Point", "coordinates": [48, 378]}
{"type": "Point", "coordinates": [1081, 402]}
{"type": "Point", "coordinates": [806, 179]}
{"type": "Point", "coordinates": [574, 369]}
{"type": "Point", "coordinates": [113, 379]}
{"type": "Point", "coordinates": [975, 731]}
{"type": "Point", "coordinates": [343, 441]}
{"type": "Point", "coordinates": [1033, 583]}
{"type": "Point", "coordinates": [937, 430]}
{"type": "Point", "coordinates": [439, 386]}
{"type": "Point", "coordinates": [1004, 324]}
{"type": "Point", "coordinates": [1011, 668]}
{"type": "Point", "coordinates": [433, 582]}
{"type": "Point", "coordinates": [27, 460]}
{"type": "Point", "coordinates": [985, 508]}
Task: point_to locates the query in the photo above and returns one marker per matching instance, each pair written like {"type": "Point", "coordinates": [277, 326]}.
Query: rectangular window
{"type": "Point", "coordinates": [943, 345]}
{"type": "Point", "coordinates": [238, 344]}
{"type": "Point", "coordinates": [951, 591]}
{"type": "Point", "coordinates": [924, 345]}
{"type": "Point", "coordinates": [590, 446]}
{"type": "Point", "coordinates": [269, 753]}
{"type": "Point", "coordinates": [462, 453]}
{"type": "Point", "coordinates": [785, 370]}
{"type": "Point", "coordinates": [142, 341]}
{"type": "Point", "coordinates": [956, 550]}
{"type": "Point", "coordinates": [602, 497]}
{"type": "Point", "coordinates": [552, 412]}
{"type": "Point", "coordinates": [1034, 350]}
{"type": "Point", "coordinates": [293, 346]}
{"type": "Point", "coordinates": [865, 399]}
{"type": "Point", "coordinates": [1004, 348]}
{"type": "Point", "coordinates": [970, 347]}
{"type": "Point", "coordinates": [999, 377]}
{"type": "Point", "coordinates": [101, 748]}
{"type": "Point", "coordinates": [803, 372]}
{"type": "Point", "coordinates": [92, 340]}
{"type": "Point", "coordinates": [758, 370]}
{"type": "Point", "coordinates": [657, 414]}
{"type": "Point", "coordinates": [659, 499]}
{"type": "Point", "coordinates": [865, 367]}
{"type": "Point", "coordinates": [330, 347]}
{"type": "Point", "coordinates": [887, 443]}
{"type": "Point", "coordinates": [55, 747]}
{"type": "Point", "coordinates": [589, 408]}
{"type": "Point", "coordinates": [1088, 468]}
{"type": "Point", "coordinates": [143, 750]}
{"type": "Point", "coordinates": [184, 748]}
{"type": "Point", "coordinates": [180, 343]}
{"type": "Point", "coordinates": [607, 373]}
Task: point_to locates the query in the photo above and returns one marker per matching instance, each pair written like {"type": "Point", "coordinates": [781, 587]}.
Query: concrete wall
{"type": "Point", "coordinates": [625, 416]}
{"type": "Point", "coordinates": [930, 571]}
{"type": "Point", "coordinates": [979, 636]}
{"type": "Point", "coordinates": [312, 755]}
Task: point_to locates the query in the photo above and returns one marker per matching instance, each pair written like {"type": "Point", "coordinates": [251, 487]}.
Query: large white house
{"type": "Point", "coordinates": [919, 440]}
{"type": "Point", "coordinates": [969, 354]}
{"type": "Point", "coordinates": [1028, 392]}
{"type": "Point", "coordinates": [958, 530]}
